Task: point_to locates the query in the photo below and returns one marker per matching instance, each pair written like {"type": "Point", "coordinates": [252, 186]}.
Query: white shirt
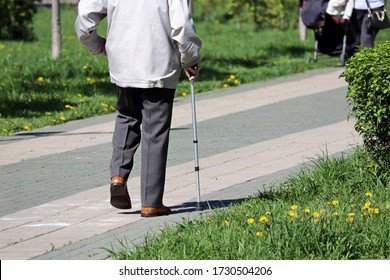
{"type": "Point", "coordinates": [362, 4]}
{"type": "Point", "coordinates": [148, 41]}
{"type": "Point", "coordinates": [340, 8]}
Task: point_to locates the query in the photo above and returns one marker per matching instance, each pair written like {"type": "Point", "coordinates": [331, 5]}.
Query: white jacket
{"type": "Point", "coordinates": [148, 41]}
{"type": "Point", "coordinates": [340, 8]}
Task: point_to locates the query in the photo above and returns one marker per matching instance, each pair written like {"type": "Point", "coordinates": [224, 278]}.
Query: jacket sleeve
{"type": "Point", "coordinates": [90, 13]}
{"type": "Point", "coordinates": [184, 33]}
{"type": "Point", "coordinates": [349, 9]}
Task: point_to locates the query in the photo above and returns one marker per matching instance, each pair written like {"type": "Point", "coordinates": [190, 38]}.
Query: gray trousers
{"type": "Point", "coordinates": [152, 108]}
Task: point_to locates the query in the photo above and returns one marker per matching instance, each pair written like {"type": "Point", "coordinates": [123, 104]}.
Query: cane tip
{"type": "Point", "coordinates": [198, 207]}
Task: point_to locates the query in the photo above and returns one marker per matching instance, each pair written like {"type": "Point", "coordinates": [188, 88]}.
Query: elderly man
{"type": "Point", "coordinates": [147, 44]}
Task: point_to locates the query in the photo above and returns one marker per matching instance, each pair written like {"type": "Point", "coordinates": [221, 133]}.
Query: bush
{"type": "Point", "coordinates": [282, 14]}
{"type": "Point", "coordinates": [368, 77]}
{"type": "Point", "coordinates": [16, 18]}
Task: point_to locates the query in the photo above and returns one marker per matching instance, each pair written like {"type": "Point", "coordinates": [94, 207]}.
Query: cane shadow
{"type": "Point", "coordinates": [189, 207]}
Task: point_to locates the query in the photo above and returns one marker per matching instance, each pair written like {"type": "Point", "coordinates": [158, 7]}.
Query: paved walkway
{"type": "Point", "coordinates": [54, 200]}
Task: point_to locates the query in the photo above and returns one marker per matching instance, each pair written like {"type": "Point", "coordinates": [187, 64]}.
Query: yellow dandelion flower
{"type": "Point", "coordinates": [315, 221]}
{"type": "Point", "coordinates": [184, 93]}
{"type": "Point", "coordinates": [62, 118]}
{"type": "Point", "coordinates": [307, 210]}
{"type": "Point", "coordinates": [351, 215]}
{"type": "Point", "coordinates": [334, 214]}
{"type": "Point", "coordinates": [316, 214]}
{"type": "Point", "coordinates": [263, 219]}
{"type": "Point", "coordinates": [232, 77]}
{"type": "Point", "coordinates": [251, 221]}
{"type": "Point", "coordinates": [5, 131]}
{"type": "Point", "coordinates": [67, 106]}
{"type": "Point", "coordinates": [367, 205]}
{"type": "Point", "coordinates": [47, 113]}
{"type": "Point", "coordinates": [105, 105]}
{"type": "Point", "coordinates": [293, 207]}
{"type": "Point", "coordinates": [40, 79]}
{"type": "Point", "coordinates": [53, 121]}
{"type": "Point", "coordinates": [292, 213]}
{"type": "Point", "coordinates": [335, 202]}
{"type": "Point", "coordinates": [85, 67]}
{"type": "Point", "coordinates": [68, 37]}
{"type": "Point", "coordinates": [373, 210]}
{"type": "Point", "coordinates": [225, 222]}
{"type": "Point", "coordinates": [369, 194]}
{"type": "Point", "coordinates": [112, 108]}
{"type": "Point", "coordinates": [225, 85]}
{"type": "Point", "coordinates": [268, 213]}
{"type": "Point", "coordinates": [349, 220]}
{"type": "Point", "coordinates": [259, 234]}
{"type": "Point", "coordinates": [27, 128]}
{"type": "Point", "coordinates": [80, 95]}
{"type": "Point", "coordinates": [236, 81]}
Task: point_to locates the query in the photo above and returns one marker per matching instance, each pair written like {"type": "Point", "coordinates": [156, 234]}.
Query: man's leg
{"type": "Point", "coordinates": [127, 132]}
{"type": "Point", "coordinates": [156, 116]}
{"type": "Point", "coordinates": [125, 141]}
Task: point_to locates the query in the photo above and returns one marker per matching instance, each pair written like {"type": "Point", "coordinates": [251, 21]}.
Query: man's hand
{"type": "Point", "coordinates": [192, 72]}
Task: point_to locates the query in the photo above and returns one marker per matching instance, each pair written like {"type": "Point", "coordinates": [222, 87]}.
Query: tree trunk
{"type": "Point", "coordinates": [302, 28]}
{"type": "Point", "coordinates": [56, 29]}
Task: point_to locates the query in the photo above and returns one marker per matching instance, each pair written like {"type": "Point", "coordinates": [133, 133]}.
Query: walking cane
{"type": "Point", "coordinates": [198, 206]}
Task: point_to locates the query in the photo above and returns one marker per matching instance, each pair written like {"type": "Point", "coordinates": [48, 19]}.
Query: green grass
{"type": "Point", "coordinates": [37, 91]}
{"type": "Point", "coordinates": [340, 209]}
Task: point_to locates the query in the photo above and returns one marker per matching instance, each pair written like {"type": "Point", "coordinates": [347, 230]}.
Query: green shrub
{"type": "Point", "coordinates": [368, 77]}
{"type": "Point", "coordinates": [16, 18]}
{"type": "Point", "coordinates": [282, 14]}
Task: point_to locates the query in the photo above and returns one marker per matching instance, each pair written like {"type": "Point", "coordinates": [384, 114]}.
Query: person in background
{"type": "Point", "coordinates": [340, 9]}
{"type": "Point", "coordinates": [362, 29]}
{"type": "Point", "coordinates": [341, 12]}
{"type": "Point", "coordinates": [148, 43]}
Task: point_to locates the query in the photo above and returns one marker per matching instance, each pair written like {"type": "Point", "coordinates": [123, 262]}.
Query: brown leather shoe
{"type": "Point", "coordinates": [119, 195]}
{"type": "Point", "coordinates": [155, 211]}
